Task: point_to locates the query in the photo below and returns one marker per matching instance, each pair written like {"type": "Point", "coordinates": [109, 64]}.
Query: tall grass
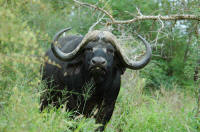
{"type": "Point", "coordinates": [160, 111]}
{"type": "Point", "coordinates": [23, 39]}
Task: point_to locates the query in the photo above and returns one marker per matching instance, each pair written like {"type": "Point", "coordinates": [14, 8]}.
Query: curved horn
{"type": "Point", "coordinates": [94, 35]}
{"type": "Point", "coordinates": [91, 36]}
{"type": "Point", "coordinates": [56, 51]}
{"type": "Point", "coordinates": [144, 61]}
{"type": "Point", "coordinates": [127, 62]}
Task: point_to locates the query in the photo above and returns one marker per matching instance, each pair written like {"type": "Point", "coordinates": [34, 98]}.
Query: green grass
{"type": "Point", "coordinates": [169, 111]}
{"type": "Point", "coordinates": [136, 110]}
{"type": "Point", "coordinates": [161, 111]}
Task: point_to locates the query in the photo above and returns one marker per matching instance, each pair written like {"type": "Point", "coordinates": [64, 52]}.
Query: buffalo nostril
{"type": "Point", "coordinates": [103, 62]}
{"type": "Point", "coordinates": [98, 61]}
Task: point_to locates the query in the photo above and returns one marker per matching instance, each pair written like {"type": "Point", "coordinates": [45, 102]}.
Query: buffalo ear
{"type": "Point", "coordinates": [122, 69]}
{"type": "Point", "coordinates": [74, 66]}
{"type": "Point", "coordinates": [119, 65]}
{"type": "Point", "coordinates": [77, 60]}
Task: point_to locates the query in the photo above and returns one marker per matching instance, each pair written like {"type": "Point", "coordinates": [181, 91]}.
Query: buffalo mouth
{"type": "Point", "coordinates": [97, 70]}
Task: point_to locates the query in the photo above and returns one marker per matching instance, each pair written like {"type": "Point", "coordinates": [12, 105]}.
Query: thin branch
{"type": "Point", "coordinates": [139, 12]}
{"type": "Point", "coordinates": [141, 17]}
{"type": "Point", "coordinates": [97, 22]}
{"type": "Point", "coordinates": [159, 30]}
{"type": "Point", "coordinates": [95, 7]}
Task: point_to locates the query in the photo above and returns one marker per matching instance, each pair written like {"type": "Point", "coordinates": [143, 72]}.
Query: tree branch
{"type": "Point", "coordinates": [95, 7]}
{"type": "Point", "coordinates": [169, 17]}
{"type": "Point", "coordinates": [141, 17]}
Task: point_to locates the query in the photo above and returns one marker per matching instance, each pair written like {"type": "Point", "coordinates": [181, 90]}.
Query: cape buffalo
{"type": "Point", "coordinates": [85, 73]}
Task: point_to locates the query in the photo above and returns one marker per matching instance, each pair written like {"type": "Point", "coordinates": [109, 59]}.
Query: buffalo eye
{"type": "Point", "coordinates": [89, 49]}
{"type": "Point", "coordinates": [110, 51]}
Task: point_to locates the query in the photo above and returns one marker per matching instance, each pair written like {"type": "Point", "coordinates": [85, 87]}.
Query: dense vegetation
{"type": "Point", "coordinates": [161, 97]}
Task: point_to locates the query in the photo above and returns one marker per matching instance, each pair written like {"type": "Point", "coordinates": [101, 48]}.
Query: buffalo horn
{"type": "Point", "coordinates": [107, 36]}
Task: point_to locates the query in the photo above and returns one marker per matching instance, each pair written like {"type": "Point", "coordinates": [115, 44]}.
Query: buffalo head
{"type": "Point", "coordinates": [101, 50]}
{"type": "Point", "coordinates": [99, 59]}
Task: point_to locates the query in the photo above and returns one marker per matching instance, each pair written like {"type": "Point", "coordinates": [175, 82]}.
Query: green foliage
{"type": "Point", "coordinates": [175, 53]}
{"type": "Point", "coordinates": [156, 76]}
{"type": "Point", "coordinates": [26, 30]}
{"type": "Point", "coordinates": [164, 110]}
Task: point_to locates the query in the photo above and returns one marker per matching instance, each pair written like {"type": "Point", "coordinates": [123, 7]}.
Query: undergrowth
{"type": "Point", "coordinates": [21, 46]}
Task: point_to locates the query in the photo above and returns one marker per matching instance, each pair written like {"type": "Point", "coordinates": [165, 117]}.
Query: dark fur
{"type": "Point", "coordinates": [67, 84]}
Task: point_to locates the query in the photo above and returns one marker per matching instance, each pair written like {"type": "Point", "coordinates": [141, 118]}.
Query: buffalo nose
{"type": "Point", "coordinates": [98, 61]}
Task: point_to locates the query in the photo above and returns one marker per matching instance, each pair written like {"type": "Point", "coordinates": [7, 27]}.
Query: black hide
{"type": "Point", "coordinates": [74, 83]}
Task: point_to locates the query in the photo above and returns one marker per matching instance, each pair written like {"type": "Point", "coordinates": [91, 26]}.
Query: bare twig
{"type": "Point", "coordinates": [95, 7]}
{"type": "Point", "coordinates": [159, 30]}
{"type": "Point", "coordinates": [142, 17]}
{"type": "Point", "coordinates": [139, 12]}
{"type": "Point", "coordinates": [97, 22]}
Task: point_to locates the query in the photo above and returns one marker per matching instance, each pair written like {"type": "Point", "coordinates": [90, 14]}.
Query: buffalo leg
{"type": "Point", "coordinates": [105, 113]}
